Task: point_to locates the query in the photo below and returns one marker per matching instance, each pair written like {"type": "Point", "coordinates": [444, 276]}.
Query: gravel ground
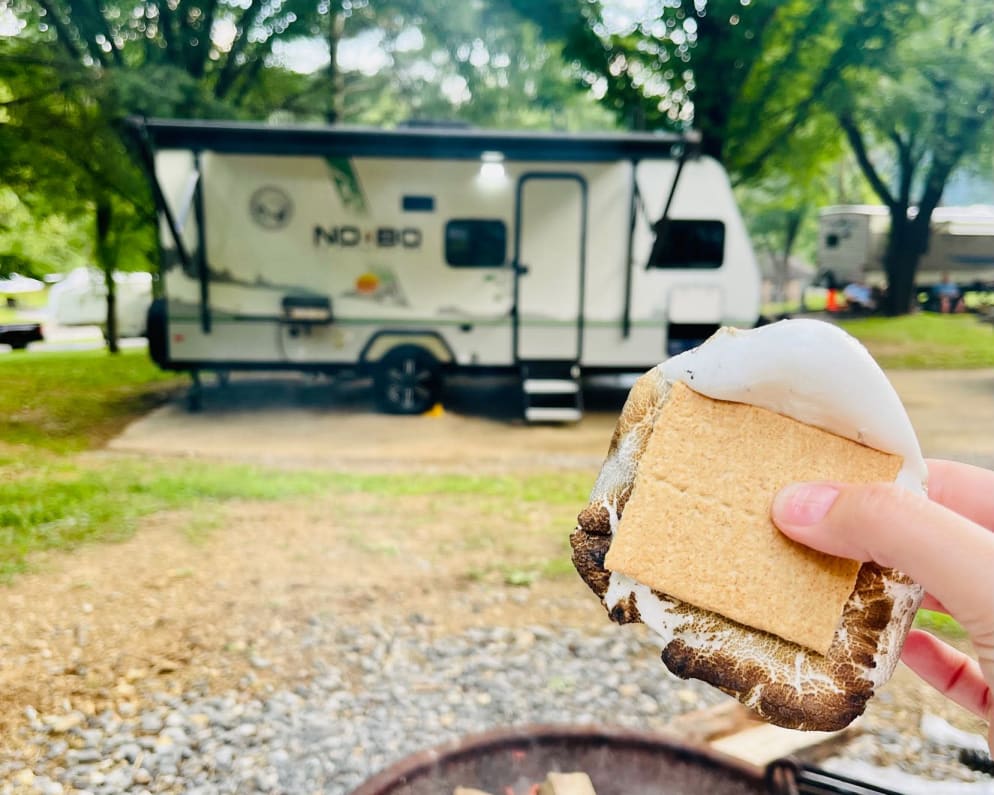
{"type": "Point", "coordinates": [383, 693]}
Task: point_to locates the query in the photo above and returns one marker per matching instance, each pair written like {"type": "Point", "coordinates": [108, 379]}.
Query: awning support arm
{"type": "Point", "coordinates": [203, 272]}
{"type": "Point", "coordinates": [634, 202]}
{"type": "Point", "coordinates": [663, 222]}
{"type": "Point", "coordinates": [148, 160]}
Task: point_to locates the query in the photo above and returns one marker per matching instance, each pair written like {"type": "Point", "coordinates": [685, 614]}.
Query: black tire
{"type": "Point", "coordinates": [157, 333]}
{"type": "Point", "coordinates": [408, 380]}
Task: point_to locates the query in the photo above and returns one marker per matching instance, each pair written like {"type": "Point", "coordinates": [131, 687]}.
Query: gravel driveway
{"type": "Point", "coordinates": [306, 422]}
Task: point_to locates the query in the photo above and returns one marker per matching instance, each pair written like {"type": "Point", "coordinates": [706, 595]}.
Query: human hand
{"type": "Point", "coordinates": [944, 541]}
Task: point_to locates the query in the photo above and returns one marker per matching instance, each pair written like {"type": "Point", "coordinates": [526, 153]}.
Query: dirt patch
{"type": "Point", "coordinates": [173, 607]}
{"type": "Point", "coordinates": [307, 423]}
{"type": "Point", "coordinates": [303, 423]}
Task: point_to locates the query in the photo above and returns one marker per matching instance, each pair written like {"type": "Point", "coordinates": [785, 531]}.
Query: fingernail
{"type": "Point", "coordinates": [803, 503]}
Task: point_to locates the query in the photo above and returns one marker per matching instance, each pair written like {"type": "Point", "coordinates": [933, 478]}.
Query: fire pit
{"type": "Point", "coordinates": [618, 761]}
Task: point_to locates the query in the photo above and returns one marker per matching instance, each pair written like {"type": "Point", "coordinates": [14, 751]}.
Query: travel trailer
{"type": "Point", "coordinates": [411, 254]}
{"type": "Point", "coordinates": [853, 238]}
{"type": "Point", "coordinates": [80, 299]}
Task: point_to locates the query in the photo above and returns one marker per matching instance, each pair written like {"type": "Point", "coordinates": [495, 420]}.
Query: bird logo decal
{"type": "Point", "coordinates": [271, 207]}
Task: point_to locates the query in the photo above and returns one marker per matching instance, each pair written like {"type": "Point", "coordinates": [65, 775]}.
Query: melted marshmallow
{"type": "Point", "coordinates": [813, 372]}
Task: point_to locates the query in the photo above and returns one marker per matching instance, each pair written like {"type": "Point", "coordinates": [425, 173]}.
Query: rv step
{"type": "Point", "coordinates": [545, 414]}
{"type": "Point", "coordinates": [551, 391]}
{"type": "Point", "coordinates": [550, 386]}
{"type": "Point", "coordinates": [550, 368]}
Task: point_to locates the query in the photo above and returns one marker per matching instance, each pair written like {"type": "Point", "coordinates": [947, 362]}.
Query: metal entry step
{"type": "Point", "coordinates": [551, 391]}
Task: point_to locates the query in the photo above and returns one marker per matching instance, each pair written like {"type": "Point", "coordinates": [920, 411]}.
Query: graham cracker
{"type": "Point", "coordinates": [697, 526]}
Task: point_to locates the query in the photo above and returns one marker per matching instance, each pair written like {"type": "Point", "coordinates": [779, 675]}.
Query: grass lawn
{"type": "Point", "coordinates": [56, 406]}
{"type": "Point", "coordinates": [926, 340]}
{"type": "Point", "coordinates": [76, 400]}
{"type": "Point", "coordinates": [53, 501]}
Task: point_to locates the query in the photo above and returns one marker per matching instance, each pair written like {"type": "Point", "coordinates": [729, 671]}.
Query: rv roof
{"type": "Point", "coordinates": [342, 140]}
{"type": "Point", "coordinates": [977, 213]}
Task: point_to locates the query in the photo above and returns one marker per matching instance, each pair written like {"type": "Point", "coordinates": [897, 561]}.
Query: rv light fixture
{"type": "Point", "coordinates": [492, 167]}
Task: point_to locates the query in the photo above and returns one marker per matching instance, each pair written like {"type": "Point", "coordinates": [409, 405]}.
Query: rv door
{"type": "Point", "coordinates": [550, 234]}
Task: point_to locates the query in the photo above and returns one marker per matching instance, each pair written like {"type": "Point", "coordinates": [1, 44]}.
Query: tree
{"type": "Point", "coordinates": [769, 84]}
{"type": "Point", "coordinates": [36, 238]}
{"type": "Point", "coordinates": [480, 63]}
{"type": "Point", "coordinates": [780, 211]}
{"type": "Point", "coordinates": [748, 75]}
{"type": "Point", "coordinates": [912, 123]}
{"type": "Point", "coordinates": [76, 69]}
{"type": "Point", "coordinates": [43, 134]}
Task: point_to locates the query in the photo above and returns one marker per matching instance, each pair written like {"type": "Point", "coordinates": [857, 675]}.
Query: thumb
{"type": "Point", "coordinates": [952, 557]}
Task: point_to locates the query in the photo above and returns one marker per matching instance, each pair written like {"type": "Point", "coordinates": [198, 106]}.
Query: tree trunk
{"type": "Point", "coordinates": [792, 225]}
{"type": "Point", "coordinates": [104, 215]}
{"type": "Point", "coordinates": [907, 242]}
{"type": "Point", "coordinates": [336, 30]}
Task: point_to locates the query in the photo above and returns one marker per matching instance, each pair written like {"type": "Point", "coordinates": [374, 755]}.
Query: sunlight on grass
{"type": "Point", "coordinates": [56, 502]}
{"type": "Point", "coordinates": [926, 341]}
{"type": "Point", "coordinates": [76, 400]}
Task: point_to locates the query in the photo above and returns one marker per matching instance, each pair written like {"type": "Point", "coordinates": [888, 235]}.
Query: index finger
{"type": "Point", "coordinates": [965, 489]}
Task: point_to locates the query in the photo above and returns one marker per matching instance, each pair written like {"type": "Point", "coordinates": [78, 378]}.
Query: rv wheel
{"type": "Point", "coordinates": [408, 381]}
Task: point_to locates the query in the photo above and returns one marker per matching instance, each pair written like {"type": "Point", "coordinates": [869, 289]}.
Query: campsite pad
{"type": "Point", "coordinates": [311, 423]}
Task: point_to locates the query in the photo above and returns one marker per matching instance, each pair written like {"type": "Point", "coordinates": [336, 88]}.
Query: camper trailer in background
{"type": "Point", "coordinates": [80, 299]}
{"type": "Point", "coordinates": [411, 254]}
{"type": "Point", "coordinates": [853, 238]}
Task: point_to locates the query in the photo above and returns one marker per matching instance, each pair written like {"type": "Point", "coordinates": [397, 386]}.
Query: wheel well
{"type": "Point", "coordinates": [383, 342]}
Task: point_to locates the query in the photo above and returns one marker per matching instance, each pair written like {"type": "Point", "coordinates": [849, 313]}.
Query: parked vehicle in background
{"type": "Point", "coordinates": [852, 239]}
{"type": "Point", "coordinates": [411, 254]}
{"type": "Point", "coordinates": [80, 299]}
{"type": "Point", "coordinates": [19, 335]}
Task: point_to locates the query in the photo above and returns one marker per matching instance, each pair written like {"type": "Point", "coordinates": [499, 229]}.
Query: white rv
{"type": "Point", "coordinates": [413, 253]}
{"type": "Point", "coordinates": [80, 299]}
{"type": "Point", "coordinates": [853, 238]}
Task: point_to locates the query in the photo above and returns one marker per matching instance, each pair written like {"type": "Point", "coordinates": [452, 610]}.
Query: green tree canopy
{"type": "Point", "coordinates": [913, 121]}
{"type": "Point", "coordinates": [748, 75]}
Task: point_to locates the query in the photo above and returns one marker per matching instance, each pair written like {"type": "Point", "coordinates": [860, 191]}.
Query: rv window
{"type": "Point", "coordinates": [418, 204]}
{"type": "Point", "coordinates": [688, 244]}
{"type": "Point", "coordinates": [474, 243]}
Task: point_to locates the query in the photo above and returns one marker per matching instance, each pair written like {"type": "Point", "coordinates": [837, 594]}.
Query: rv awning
{"type": "Point", "coordinates": [440, 143]}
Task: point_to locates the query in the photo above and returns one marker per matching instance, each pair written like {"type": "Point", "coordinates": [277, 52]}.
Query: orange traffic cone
{"type": "Point", "coordinates": [831, 304]}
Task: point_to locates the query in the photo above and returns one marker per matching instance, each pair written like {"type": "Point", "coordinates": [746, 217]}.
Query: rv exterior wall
{"type": "Point", "coordinates": [428, 246]}
{"type": "Point", "coordinates": [844, 244]}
